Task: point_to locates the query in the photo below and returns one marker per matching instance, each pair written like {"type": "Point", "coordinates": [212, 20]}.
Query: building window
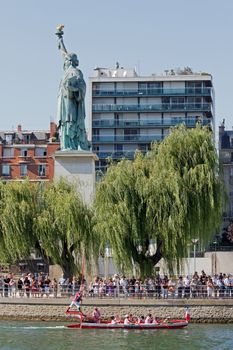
{"type": "Point", "coordinates": [8, 152]}
{"type": "Point", "coordinates": [177, 102]}
{"type": "Point", "coordinates": [95, 88]}
{"type": "Point", "coordinates": [194, 102]}
{"type": "Point", "coordinates": [42, 169]}
{"type": "Point", "coordinates": [150, 87]}
{"type": "Point", "coordinates": [95, 148]}
{"type": "Point", "coordinates": [118, 147]}
{"type": "Point", "coordinates": [166, 102]}
{"type": "Point", "coordinates": [131, 134]}
{"type": "Point", "coordinates": [193, 87]}
{"type": "Point", "coordinates": [143, 147]}
{"type": "Point", "coordinates": [96, 132]}
{"type": "Point", "coordinates": [40, 152]}
{"type": "Point", "coordinates": [23, 169]}
{"type": "Point", "coordinates": [26, 138]}
{"type": "Point", "coordinates": [6, 170]}
{"type": "Point", "coordinates": [24, 152]}
{"type": "Point", "coordinates": [8, 139]}
{"type": "Point", "coordinates": [40, 267]}
{"type": "Point", "coordinates": [118, 118]}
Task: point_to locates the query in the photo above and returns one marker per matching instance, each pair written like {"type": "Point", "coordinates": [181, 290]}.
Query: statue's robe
{"type": "Point", "coordinates": [71, 110]}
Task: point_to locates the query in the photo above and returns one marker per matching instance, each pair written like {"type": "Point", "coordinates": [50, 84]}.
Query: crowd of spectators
{"type": "Point", "coordinates": [28, 285]}
{"type": "Point", "coordinates": [195, 286]}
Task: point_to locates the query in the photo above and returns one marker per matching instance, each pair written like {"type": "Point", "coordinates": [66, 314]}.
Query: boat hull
{"type": "Point", "coordinates": [174, 324]}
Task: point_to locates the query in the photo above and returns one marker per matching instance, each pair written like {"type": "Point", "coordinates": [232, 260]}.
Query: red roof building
{"type": "Point", "coordinates": [28, 154]}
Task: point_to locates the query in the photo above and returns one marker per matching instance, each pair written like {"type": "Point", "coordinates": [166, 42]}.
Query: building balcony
{"type": "Point", "coordinates": [129, 123]}
{"type": "Point", "coordinates": [159, 107]}
{"type": "Point", "coordinates": [24, 159]}
{"type": "Point", "coordinates": [205, 91]}
{"type": "Point", "coordinates": [41, 156]}
{"type": "Point", "coordinates": [126, 138]}
{"type": "Point", "coordinates": [115, 154]}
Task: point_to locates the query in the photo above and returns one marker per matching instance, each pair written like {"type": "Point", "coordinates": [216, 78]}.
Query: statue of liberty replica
{"type": "Point", "coordinates": [71, 101]}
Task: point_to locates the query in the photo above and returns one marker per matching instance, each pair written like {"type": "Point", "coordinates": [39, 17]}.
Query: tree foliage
{"type": "Point", "coordinates": [153, 206]}
{"type": "Point", "coordinates": [64, 227]}
{"type": "Point", "coordinates": [49, 218]}
{"type": "Point", "coordinates": [18, 210]}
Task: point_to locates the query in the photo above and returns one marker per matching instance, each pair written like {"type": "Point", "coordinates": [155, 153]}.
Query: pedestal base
{"type": "Point", "coordinates": [78, 167]}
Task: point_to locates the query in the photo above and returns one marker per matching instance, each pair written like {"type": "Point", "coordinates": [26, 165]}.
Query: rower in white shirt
{"type": "Point", "coordinates": [149, 319]}
{"type": "Point", "coordinates": [128, 320]}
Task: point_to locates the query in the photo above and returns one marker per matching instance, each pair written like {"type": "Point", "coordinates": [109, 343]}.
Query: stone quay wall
{"type": "Point", "coordinates": [201, 311]}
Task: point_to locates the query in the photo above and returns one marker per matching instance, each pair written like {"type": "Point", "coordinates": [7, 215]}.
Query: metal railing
{"type": "Point", "coordinates": [116, 154]}
{"type": "Point", "coordinates": [126, 123]}
{"type": "Point", "coordinates": [152, 107]}
{"type": "Point", "coordinates": [110, 292]}
{"type": "Point", "coordinates": [126, 138]}
{"type": "Point", "coordinates": [205, 91]}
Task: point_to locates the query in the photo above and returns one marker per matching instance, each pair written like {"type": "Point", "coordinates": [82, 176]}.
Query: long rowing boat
{"type": "Point", "coordinates": [172, 324]}
{"type": "Point", "coordinates": [87, 322]}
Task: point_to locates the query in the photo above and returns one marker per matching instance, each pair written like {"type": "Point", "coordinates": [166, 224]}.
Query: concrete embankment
{"type": "Point", "coordinates": [202, 311]}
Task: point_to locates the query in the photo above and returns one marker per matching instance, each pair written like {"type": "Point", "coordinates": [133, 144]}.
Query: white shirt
{"type": "Point", "coordinates": [126, 321]}
{"type": "Point", "coordinates": [148, 320]}
{"type": "Point", "coordinates": [227, 282]}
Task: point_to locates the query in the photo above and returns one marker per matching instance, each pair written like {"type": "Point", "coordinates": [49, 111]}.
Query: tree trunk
{"type": "Point", "coordinates": [67, 262]}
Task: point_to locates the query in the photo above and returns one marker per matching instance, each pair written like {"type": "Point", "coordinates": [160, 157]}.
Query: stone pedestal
{"type": "Point", "coordinates": [78, 167]}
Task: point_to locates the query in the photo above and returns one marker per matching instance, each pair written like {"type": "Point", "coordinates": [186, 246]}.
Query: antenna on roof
{"type": "Point", "coordinates": [138, 67]}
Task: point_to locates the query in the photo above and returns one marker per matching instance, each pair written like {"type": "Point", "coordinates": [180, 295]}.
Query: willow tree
{"type": "Point", "coordinates": [150, 208]}
{"type": "Point", "coordinates": [64, 227]}
{"type": "Point", "coordinates": [18, 209]}
{"type": "Point", "coordinates": [51, 219]}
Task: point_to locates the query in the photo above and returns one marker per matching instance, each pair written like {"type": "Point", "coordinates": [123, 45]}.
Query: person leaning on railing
{"type": "Point", "coordinates": [193, 286]}
{"type": "Point", "coordinates": [54, 287]}
{"type": "Point", "coordinates": [171, 287]}
{"type": "Point", "coordinates": [1, 286]}
{"type": "Point", "coordinates": [210, 287]}
{"type": "Point", "coordinates": [180, 286]}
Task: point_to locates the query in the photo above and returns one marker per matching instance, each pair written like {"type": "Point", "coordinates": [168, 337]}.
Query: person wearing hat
{"type": "Point", "coordinates": [128, 319]}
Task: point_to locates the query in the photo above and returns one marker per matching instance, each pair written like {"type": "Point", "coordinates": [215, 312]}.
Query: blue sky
{"type": "Point", "coordinates": [151, 34]}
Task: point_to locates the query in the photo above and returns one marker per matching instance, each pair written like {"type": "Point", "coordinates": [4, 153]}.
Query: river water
{"type": "Point", "coordinates": [54, 336]}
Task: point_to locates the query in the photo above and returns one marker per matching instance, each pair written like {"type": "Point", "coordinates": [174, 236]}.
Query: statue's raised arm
{"type": "Point", "coordinates": [61, 45]}
{"type": "Point", "coordinates": [71, 101]}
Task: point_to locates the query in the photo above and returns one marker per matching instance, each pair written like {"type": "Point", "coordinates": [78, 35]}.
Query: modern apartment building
{"type": "Point", "coordinates": [129, 112]}
{"type": "Point", "coordinates": [27, 153]}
